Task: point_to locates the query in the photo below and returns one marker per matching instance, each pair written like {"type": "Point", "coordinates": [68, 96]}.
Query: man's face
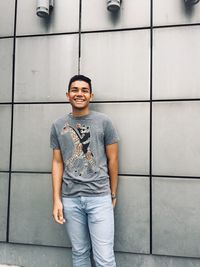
{"type": "Point", "coordinates": [79, 95]}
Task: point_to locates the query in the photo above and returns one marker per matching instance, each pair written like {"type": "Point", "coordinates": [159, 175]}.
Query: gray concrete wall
{"type": "Point", "coordinates": [144, 63]}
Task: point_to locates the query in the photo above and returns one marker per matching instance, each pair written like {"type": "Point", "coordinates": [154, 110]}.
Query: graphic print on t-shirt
{"type": "Point", "coordinates": [82, 160]}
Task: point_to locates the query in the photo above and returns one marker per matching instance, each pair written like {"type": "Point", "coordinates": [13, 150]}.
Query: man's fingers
{"type": "Point", "coordinates": [58, 217]}
{"type": "Point", "coordinates": [55, 216]}
{"type": "Point", "coordinates": [60, 214]}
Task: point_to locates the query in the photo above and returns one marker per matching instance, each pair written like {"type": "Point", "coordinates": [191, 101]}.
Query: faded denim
{"type": "Point", "coordinates": [90, 225]}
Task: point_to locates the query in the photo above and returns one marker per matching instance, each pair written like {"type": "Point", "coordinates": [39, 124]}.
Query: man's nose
{"type": "Point", "coordinates": [80, 92]}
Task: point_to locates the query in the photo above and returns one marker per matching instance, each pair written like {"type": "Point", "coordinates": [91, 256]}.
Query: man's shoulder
{"type": "Point", "coordinates": [59, 121]}
{"type": "Point", "coordinates": [100, 115]}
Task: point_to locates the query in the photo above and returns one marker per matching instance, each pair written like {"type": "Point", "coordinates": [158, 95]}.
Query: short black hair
{"type": "Point", "coordinates": [80, 77]}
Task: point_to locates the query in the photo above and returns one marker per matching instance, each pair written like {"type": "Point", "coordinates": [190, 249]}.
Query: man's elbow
{"type": "Point", "coordinates": [113, 159]}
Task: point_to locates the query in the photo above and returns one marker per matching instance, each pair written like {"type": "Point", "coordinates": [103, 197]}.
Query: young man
{"type": "Point", "coordinates": [84, 173]}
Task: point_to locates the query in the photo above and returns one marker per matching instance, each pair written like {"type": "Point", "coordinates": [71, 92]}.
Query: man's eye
{"type": "Point", "coordinates": [86, 91]}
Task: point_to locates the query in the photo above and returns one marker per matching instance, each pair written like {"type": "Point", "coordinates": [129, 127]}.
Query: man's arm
{"type": "Point", "coordinates": [112, 157]}
{"type": "Point", "coordinates": [57, 173]}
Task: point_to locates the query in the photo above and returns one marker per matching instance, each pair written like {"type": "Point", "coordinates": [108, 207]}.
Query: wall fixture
{"type": "Point", "coordinates": [113, 5]}
{"type": "Point", "coordinates": [44, 7]}
{"type": "Point", "coordinates": [191, 2]}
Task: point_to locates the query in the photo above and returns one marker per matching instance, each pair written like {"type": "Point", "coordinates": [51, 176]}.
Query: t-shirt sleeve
{"type": "Point", "coordinates": [111, 135]}
{"type": "Point", "coordinates": [54, 143]}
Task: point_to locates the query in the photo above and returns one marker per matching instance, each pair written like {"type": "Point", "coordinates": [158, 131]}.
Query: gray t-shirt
{"type": "Point", "coordinates": [82, 141]}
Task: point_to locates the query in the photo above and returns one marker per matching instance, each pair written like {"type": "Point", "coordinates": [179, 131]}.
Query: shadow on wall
{"type": "Point", "coordinates": [114, 17]}
{"type": "Point", "coordinates": [189, 6]}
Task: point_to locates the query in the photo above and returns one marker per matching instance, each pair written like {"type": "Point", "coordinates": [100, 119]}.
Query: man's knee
{"type": "Point", "coordinates": [81, 250]}
{"type": "Point", "coordinates": [104, 259]}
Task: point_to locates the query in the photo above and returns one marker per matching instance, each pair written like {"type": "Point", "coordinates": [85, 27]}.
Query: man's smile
{"type": "Point", "coordinates": [79, 100]}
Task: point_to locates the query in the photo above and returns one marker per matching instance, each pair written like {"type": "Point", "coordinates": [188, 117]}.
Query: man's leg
{"type": "Point", "coordinates": [76, 225]}
{"type": "Point", "coordinates": [101, 226]}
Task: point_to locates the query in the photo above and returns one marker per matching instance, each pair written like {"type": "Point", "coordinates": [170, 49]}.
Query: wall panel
{"type": "Point", "coordinates": [176, 130]}
{"type": "Point", "coordinates": [175, 217]}
{"type": "Point", "coordinates": [34, 256]}
{"type": "Point", "coordinates": [176, 58]}
{"type": "Point", "coordinates": [7, 13]}
{"type": "Point", "coordinates": [132, 215]}
{"type": "Point", "coordinates": [31, 219]}
{"type": "Point", "coordinates": [5, 117]}
{"type": "Point", "coordinates": [4, 179]}
{"type": "Point", "coordinates": [118, 63]}
{"type": "Point", "coordinates": [44, 66]}
{"type": "Point", "coordinates": [174, 12]}
{"type": "Point", "coordinates": [6, 51]}
{"type": "Point", "coordinates": [64, 18]}
{"type": "Point", "coordinates": [95, 15]}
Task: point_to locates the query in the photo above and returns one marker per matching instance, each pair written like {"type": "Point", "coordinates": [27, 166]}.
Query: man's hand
{"type": "Point", "coordinates": [58, 212]}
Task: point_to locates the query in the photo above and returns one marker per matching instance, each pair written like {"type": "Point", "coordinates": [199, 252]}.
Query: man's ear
{"type": "Point", "coordinates": [67, 95]}
{"type": "Point", "coordinates": [91, 96]}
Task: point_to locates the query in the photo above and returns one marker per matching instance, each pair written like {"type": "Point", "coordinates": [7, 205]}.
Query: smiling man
{"type": "Point", "coordinates": [84, 175]}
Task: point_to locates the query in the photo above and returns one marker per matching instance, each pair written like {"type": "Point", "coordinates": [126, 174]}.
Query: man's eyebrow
{"type": "Point", "coordinates": [74, 87]}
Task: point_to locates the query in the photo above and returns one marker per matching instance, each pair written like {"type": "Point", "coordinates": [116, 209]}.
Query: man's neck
{"type": "Point", "coordinates": [80, 113]}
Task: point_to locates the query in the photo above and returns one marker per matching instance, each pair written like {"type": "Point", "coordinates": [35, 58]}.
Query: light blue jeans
{"type": "Point", "coordinates": [90, 224]}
